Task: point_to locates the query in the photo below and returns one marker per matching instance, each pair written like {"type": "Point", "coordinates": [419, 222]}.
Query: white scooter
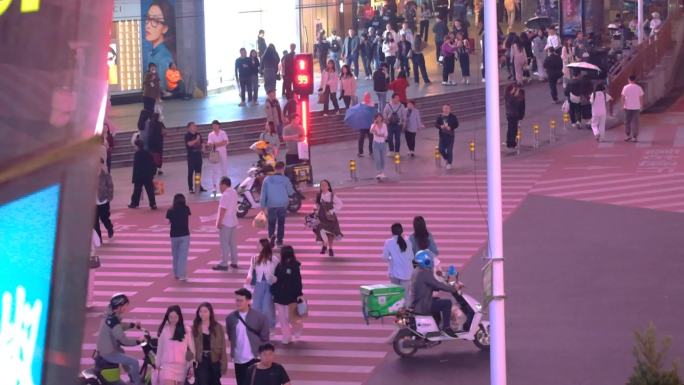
{"type": "Point", "coordinates": [421, 331]}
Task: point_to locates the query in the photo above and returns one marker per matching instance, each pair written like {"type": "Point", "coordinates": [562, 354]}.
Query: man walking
{"type": "Point", "coordinates": [261, 43]}
{"type": "Point", "coordinates": [193, 146]}
{"type": "Point", "coordinates": [226, 223]}
{"type": "Point", "coordinates": [275, 197]}
{"type": "Point", "coordinates": [293, 133]}
{"type": "Point", "coordinates": [247, 329]}
{"type": "Point", "coordinates": [440, 30]}
{"type": "Point", "coordinates": [446, 124]}
{"type": "Point", "coordinates": [350, 51]}
{"type": "Point", "coordinates": [380, 85]}
{"type": "Point", "coordinates": [335, 50]}
{"type": "Point", "coordinates": [243, 76]}
{"type": "Point", "coordinates": [632, 102]}
{"type": "Point", "coordinates": [553, 64]}
{"type": "Point", "coordinates": [288, 71]}
{"type": "Point", "coordinates": [267, 372]}
{"type": "Point", "coordinates": [395, 116]}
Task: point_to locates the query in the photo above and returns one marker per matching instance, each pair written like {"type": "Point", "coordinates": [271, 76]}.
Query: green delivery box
{"type": "Point", "coordinates": [381, 299]}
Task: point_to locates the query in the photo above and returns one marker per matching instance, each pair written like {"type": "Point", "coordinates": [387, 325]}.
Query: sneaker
{"type": "Point", "coordinates": [382, 175]}
{"type": "Point", "coordinates": [467, 81]}
{"type": "Point", "coordinates": [449, 166]}
{"type": "Point", "coordinates": [445, 83]}
{"type": "Point", "coordinates": [628, 139]}
{"type": "Point", "coordinates": [220, 268]}
{"type": "Point", "coordinates": [242, 104]}
{"type": "Point", "coordinates": [192, 191]}
{"type": "Point", "coordinates": [160, 172]}
{"type": "Point", "coordinates": [634, 139]}
{"type": "Point", "coordinates": [285, 342]}
{"type": "Point", "coordinates": [234, 265]}
{"type": "Point", "coordinates": [337, 112]}
{"type": "Point", "coordinates": [359, 155]}
{"type": "Point", "coordinates": [483, 80]}
{"type": "Point", "coordinates": [154, 207]}
{"type": "Point", "coordinates": [131, 206]}
{"type": "Point", "coordinates": [411, 154]}
{"type": "Point", "coordinates": [279, 244]}
{"type": "Point", "coordinates": [325, 114]}
{"type": "Point", "coordinates": [390, 154]}
{"type": "Point", "coordinates": [202, 189]}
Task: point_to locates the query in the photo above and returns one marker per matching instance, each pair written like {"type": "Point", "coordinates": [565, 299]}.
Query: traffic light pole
{"type": "Point", "coordinates": [303, 102]}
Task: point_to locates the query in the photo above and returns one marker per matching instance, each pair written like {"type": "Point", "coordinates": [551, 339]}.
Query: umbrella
{"type": "Point", "coordinates": [538, 22]}
{"type": "Point", "coordinates": [360, 116]}
{"type": "Point", "coordinates": [584, 66]}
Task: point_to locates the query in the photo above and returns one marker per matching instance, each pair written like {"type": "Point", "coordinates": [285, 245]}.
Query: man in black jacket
{"type": "Point", "coordinates": [440, 30]}
{"type": "Point", "coordinates": [288, 71]}
{"type": "Point", "coordinates": [446, 124]}
{"type": "Point", "coordinates": [243, 76]}
{"type": "Point", "coordinates": [380, 85]}
{"type": "Point", "coordinates": [143, 173]}
{"type": "Point", "coordinates": [515, 112]}
{"type": "Point", "coordinates": [553, 64]}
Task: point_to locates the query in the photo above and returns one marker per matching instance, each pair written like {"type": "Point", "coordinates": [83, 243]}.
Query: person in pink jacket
{"type": "Point", "coordinates": [329, 84]}
{"type": "Point", "coordinates": [348, 84]}
{"type": "Point", "coordinates": [175, 349]}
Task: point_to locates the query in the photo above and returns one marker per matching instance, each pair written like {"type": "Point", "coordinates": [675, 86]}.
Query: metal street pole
{"type": "Point", "coordinates": [640, 21]}
{"type": "Point", "coordinates": [497, 318]}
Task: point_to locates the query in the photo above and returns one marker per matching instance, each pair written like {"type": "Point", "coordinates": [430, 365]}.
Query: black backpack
{"type": "Point", "coordinates": [394, 117]}
{"type": "Point", "coordinates": [335, 45]}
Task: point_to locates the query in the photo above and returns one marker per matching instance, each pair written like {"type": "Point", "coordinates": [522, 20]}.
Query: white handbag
{"type": "Point", "coordinates": [303, 150]}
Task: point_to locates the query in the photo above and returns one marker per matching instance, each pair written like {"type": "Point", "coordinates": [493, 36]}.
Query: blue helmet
{"type": "Point", "coordinates": [424, 259]}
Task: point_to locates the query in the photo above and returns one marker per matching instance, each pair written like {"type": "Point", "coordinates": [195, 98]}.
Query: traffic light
{"type": "Point", "coordinates": [303, 74]}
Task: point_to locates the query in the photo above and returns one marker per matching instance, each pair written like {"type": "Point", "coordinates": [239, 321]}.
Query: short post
{"type": "Point", "coordinates": [438, 157]}
{"type": "Point", "coordinates": [397, 163]}
{"type": "Point", "coordinates": [535, 131]}
{"type": "Point", "coordinates": [566, 120]}
{"type": "Point", "coordinates": [198, 182]}
{"type": "Point", "coordinates": [352, 170]}
{"type": "Point", "coordinates": [552, 131]}
{"type": "Point", "coordinates": [471, 147]}
{"type": "Point", "coordinates": [518, 137]}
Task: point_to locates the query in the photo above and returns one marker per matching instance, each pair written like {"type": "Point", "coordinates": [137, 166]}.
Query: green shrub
{"type": "Point", "coordinates": [650, 356]}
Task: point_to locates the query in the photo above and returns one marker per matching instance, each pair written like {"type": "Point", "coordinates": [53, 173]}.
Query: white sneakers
{"type": "Point", "coordinates": [449, 166]}
{"type": "Point", "coordinates": [381, 176]}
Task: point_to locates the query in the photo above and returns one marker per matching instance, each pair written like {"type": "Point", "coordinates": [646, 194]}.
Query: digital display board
{"type": "Point", "coordinates": [27, 256]}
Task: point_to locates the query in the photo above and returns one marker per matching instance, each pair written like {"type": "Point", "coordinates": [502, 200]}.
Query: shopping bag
{"type": "Point", "coordinates": [322, 96]}
{"type": "Point", "coordinates": [259, 221]}
{"type": "Point", "coordinates": [214, 156]}
{"type": "Point", "coordinates": [158, 187]}
{"type": "Point", "coordinates": [311, 221]}
{"type": "Point", "coordinates": [565, 107]}
{"type": "Point", "coordinates": [303, 150]}
{"type": "Point", "coordinates": [302, 307]}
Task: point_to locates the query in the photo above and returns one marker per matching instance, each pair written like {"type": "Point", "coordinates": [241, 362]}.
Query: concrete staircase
{"type": "Point", "coordinates": [466, 104]}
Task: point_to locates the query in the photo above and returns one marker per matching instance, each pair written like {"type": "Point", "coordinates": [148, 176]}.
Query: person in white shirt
{"type": "Point", "coordinates": [329, 83]}
{"type": "Point", "coordinates": [218, 141]}
{"type": "Point", "coordinates": [599, 109]}
{"type": "Point", "coordinates": [655, 23]}
{"type": "Point", "coordinates": [174, 343]}
{"type": "Point", "coordinates": [398, 251]}
{"type": "Point", "coordinates": [553, 41]}
{"type": "Point", "coordinates": [389, 49]}
{"type": "Point", "coordinates": [379, 131]}
{"type": "Point", "coordinates": [226, 223]}
{"type": "Point", "coordinates": [632, 102]}
{"type": "Point", "coordinates": [406, 31]}
{"type": "Point", "coordinates": [247, 329]}
{"type": "Point", "coordinates": [261, 275]}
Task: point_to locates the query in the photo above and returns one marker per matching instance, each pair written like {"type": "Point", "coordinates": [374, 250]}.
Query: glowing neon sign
{"type": "Point", "coordinates": [27, 6]}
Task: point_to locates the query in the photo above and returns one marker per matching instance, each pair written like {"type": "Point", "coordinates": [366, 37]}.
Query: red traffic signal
{"type": "Point", "coordinates": [303, 74]}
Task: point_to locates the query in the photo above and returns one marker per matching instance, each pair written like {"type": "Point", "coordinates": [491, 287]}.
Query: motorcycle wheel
{"type": "Point", "coordinates": [398, 343]}
{"type": "Point", "coordinates": [242, 209]}
{"type": "Point", "coordinates": [481, 340]}
{"type": "Point", "coordinates": [295, 204]}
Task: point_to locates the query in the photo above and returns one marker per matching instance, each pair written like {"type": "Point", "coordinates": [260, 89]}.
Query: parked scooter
{"type": "Point", "coordinates": [418, 331]}
{"type": "Point", "coordinates": [108, 373]}
{"type": "Point", "coordinates": [249, 189]}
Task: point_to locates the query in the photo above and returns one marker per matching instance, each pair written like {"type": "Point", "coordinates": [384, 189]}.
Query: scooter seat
{"type": "Point", "coordinates": [101, 363]}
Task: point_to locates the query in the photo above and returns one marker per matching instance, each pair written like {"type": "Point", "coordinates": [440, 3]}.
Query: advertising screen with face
{"type": "Point", "coordinates": [25, 281]}
{"type": "Point", "coordinates": [158, 35]}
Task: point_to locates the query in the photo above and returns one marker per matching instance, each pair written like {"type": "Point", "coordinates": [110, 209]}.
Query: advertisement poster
{"type": "Point", "coordinates": [158, 35]}
{"type": "Point", "coordinates": [25, 281]}
{"type": "Point", "coordinates": [571, 17]}
{"type": "Point", "coordinates": [547, 8]}
{"type": "Point", "coordinates": [588, 17]}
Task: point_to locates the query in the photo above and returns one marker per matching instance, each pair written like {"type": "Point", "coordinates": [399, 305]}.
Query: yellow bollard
{"type": "Point", "coordinates": [352, 169]}
{"type": "Point", "coordinates": [535, 131]}
{"type": "Point", "coordinates": [198, 182]}
{"type": "Point", "coordinates": [566, 120]}
{"type": "Point", "coordinates": [471, 147]}
{"type": "Point", "coordinates": [552, 130]}
{"type": "Point", "coordinates": [438, 157]}
{"type": "Point", "coordinates": [518, 137]}
{"type": "Point", "coordinates": [397, 162]}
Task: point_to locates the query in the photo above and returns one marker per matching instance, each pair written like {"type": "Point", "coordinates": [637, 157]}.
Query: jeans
{"type": "Point", "coordinates": [394, 138]}
{"type": "Point", "coordinates": [137, 191]}
{"type": "Point", "coordinates": [180, 247]}
{"type": "Point", "coordinates": [363, 134]}
{"type": "Point", "coordinates": [553, 86]}
{"type": "Point", "coordinates": [366, 64]}
{"type": "Point", "coordinates": [129, 363]}
{"type": "Point", "coordinates": [391, 61]}
{"type": "Point", "coordinates": [287, 86]}
{"type": "Point", "coordinates": [102, 213]}
{"type": "Point", "coordinates": [632, 123]}
{"type": "Point", "coordinates": [335, 56]}
{"type": "Point", "coordinates": [446, 147]}
{"type": "Point", "coordinates": [410, 140]}
{"type": "Point", "coordinates": [276, 215]}
{"type": "Point", "coordinates": [424, 24]}
{"type": "Point", "coordinates": [263, 300]}
{"type": "Point", "coordinates": [379, 154]}
{"type": "Point", "coordinates": [353, 59]}
{"type": "Point", "coordinates": [404, 65]}
{"type": "Point", "coordinates": [347, 101]}
{"type": "Point", "coordinates": [228, 245]}
{"type": "Point", "coordinates": [382, 100]}
{"type": "Point", "coordinates": [194, 167]}
{"type": "Point", "coordinates": [246, 86]}
{"type": "Point", "coordinates": [512, 131]}
{"type": "Point", "coordinates": [254, 81]}
{"type": "Point", "coordinates": [419, 64]}
{"type": "Point", "coordinates": [330, 97]}
{"type": "Point", "coordinates": [442, 307]}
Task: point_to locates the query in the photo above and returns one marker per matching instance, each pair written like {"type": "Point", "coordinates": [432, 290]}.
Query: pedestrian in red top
{"type": "Point", "coordinates": [399, 86]}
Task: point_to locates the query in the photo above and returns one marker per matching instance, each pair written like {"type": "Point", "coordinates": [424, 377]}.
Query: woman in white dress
{"type": "Point", "coordinates": [218, 141]}
{"type": "Point", "coordinates": [175, 349]}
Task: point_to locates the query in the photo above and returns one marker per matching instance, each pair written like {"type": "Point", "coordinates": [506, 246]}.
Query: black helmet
{"type": "Point", "coordinates": [118, 300]}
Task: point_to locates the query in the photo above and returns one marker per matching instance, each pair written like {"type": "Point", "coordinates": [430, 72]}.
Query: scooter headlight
{"type": "Point", "coordinates": [400, 321]}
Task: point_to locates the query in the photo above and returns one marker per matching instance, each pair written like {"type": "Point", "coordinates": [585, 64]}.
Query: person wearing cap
{"type": "Point", "coordinates": [112, 337]}
{"type": "Point", "coordinates": [423, 283]}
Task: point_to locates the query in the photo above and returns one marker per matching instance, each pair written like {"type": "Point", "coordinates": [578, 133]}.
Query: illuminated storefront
{"type": "Point", "coordinates": [124, 58]}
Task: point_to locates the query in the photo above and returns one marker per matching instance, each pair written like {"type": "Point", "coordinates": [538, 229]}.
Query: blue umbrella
{"type": "Point", "coordinates": [360, 116]}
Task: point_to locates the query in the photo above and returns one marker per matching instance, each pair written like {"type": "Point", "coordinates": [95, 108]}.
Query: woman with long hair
{"type": "Point", "coordinates": [568, 57]}
{"type": "Point", "coordinates": [175, 349]}
{"type": "Point", "coordinates": [448, 50]}
{"type": "Point", "coordinates": [254, 68]}
{"type": "Point", "coordinates": [156, 140]}
{"type": "Point", "coordinates": [348, 85]}
{"type": "Point", "coordinates": [422, 239]}
{"type": "Point", "coordinates": [599, 109]}
{"type": "Point", "coordinates": [462, 52]}
{"type": "Point", "coordinates": [327, 206]}
{"type": "Point", "coordinates": [179, 217]}
{"type": "Point", "coordinates": [210, 346]}
{"type": "Point", "coordinates": [398, 251]}
{"type": "Point", "coordinates": [379, 131]}
{"type": "Point", "coordinates": [329, 84]}
{"type": "Point", "coordinates": [287, 292]}
{"type": "Point", "coordinates": [160, 33]}
{"type": "Point", "coordinates": [270, 135]}
{"type": "Point", "coordinates": [261, 276]}
{"type": "Point", "coordinates": [269, 63]}
{"type": "Point", "coordinates": [519, 60]}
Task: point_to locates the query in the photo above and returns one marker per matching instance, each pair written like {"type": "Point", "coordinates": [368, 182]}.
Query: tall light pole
{"type": "Point", "coordinates": [494, 212]}
{"type": "Point", "coordinates": [640, 21]}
